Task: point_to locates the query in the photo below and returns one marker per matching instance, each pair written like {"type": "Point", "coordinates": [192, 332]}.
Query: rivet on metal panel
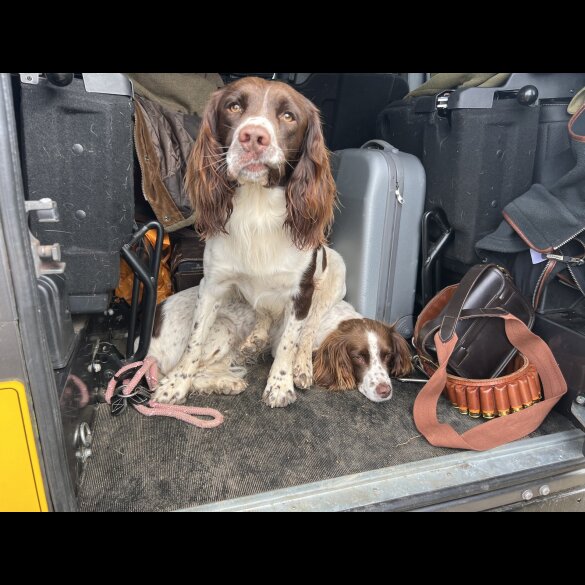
{"type": "Point", "coordinates": [527, 495]}
{"type": "Point", "coordinates": [544, 490]}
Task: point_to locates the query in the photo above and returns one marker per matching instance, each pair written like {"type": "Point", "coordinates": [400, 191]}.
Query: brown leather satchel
{"type": "Point", "coordinates": [483, 350]}
{"type": "Point", "coordinates": [483, 286]}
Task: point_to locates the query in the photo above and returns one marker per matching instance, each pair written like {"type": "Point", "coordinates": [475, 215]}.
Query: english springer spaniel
{"type": "Point", "coordinates": [263, 195]}
{"type": "Point", "coordinates": [349, 350]}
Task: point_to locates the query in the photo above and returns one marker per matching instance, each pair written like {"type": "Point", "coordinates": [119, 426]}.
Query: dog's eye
{"type": "Point", "coordinates": [385, 357]}
{"type": "Point", "coordinates": [234, 108]}
{"type": "Point", "coordinates": [288, 117]}
{"type": "Point", "coordinates": [358, 358]}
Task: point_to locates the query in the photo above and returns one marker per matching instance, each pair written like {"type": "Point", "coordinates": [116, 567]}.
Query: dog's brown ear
{"type": "Point", "coordinates": [332, 367]}
{"type": "Point", "coordinates": [401, 361]}
{"type": "Point", "coordinates": [206, 180]}
{"type": "Point", "coordinates": [311, 191]}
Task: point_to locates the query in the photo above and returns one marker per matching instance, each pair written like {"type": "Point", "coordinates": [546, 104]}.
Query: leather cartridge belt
{"type": "Point", "coordinates": [492, 397]}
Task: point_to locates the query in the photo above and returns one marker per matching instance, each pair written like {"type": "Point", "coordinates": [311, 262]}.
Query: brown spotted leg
{"type": "Point", "coordinates": [279, 389]}
{"type": "Point", "coordinates": [175, 387]}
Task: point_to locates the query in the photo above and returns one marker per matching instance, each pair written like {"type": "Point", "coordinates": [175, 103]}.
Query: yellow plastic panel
{"type": "Point", "coordinates": [21, 484]}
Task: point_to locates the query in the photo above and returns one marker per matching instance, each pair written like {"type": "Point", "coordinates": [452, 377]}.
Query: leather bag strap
{"type": "Point", "coordinates": [500, 430]}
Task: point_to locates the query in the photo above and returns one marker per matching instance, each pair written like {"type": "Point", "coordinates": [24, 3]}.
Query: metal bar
{"type": "Point", "coordinates": [149, 280]}
{"type": "Point", "coordinates": [526, 492]}
{"type": "Point", "coordinates": [430, 253]}
{"type": "Point", "coordinates": [423, 483]}
{"type": "Point", "coordinates": [133, 316]}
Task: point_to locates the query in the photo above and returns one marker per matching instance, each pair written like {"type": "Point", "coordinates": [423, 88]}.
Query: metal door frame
{"type": "Point", "coordinates": [21, 326]}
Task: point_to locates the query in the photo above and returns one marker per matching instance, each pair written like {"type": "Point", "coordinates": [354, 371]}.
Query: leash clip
{"type": "Point", "coordinates": [119, 404]}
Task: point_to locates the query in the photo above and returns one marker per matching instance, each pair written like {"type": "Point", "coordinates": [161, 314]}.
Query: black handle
{"type": "Point", "coordinates": [527, 95]}
{"type": "Point", "coordinates": [378, 145]}
{"type": "Point", "coordinates": [60, 79]}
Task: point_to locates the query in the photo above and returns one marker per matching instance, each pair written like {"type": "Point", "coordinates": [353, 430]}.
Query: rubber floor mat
{"type": "Point", "coordinates": [155, 463]}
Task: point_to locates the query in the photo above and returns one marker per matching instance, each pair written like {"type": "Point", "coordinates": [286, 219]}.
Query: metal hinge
{"type": "Point", "coordinates": [442, 102]}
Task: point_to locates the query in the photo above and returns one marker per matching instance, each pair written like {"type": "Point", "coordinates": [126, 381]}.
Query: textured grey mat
{"type": "Point", "coordinates": [154, 464]}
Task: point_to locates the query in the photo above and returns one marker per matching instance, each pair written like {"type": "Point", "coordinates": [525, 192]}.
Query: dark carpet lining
{"type": "Point", "coordinates": [160, 464]}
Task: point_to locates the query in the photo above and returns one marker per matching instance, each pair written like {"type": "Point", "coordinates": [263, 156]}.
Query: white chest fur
{"type": "Point", "coordinates": [258, 255]}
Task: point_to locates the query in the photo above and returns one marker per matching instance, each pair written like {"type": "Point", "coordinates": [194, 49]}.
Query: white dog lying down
{"type": "Point", "coordinates": [349, 351]}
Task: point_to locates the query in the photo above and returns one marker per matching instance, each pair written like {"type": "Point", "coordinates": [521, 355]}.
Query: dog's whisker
{"type": "Point", "coordinates": [219, 166]}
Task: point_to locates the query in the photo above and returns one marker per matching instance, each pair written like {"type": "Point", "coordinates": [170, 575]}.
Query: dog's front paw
{"type": "Point", "coordinates": [253, 346]}
{"type": "Point", "coordinates": [303, 371]}
{"type": "Point", "coordinates": [172, 390]}
{"type": "Point", "coordinates": [278, 393]}
{"type": "Point", "coordinates": [231, 386]}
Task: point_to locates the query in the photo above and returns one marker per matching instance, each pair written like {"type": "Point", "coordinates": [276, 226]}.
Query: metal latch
{"type": "Point", "coordinates": [46, 209]}
{"type": "Point", "coordinates": [47, 257]}
{"type": "Point", "coordinates": [50, 252]}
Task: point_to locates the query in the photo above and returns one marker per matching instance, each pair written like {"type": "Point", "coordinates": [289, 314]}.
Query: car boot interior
{"type": "Point", "coordinates": [480, 147]}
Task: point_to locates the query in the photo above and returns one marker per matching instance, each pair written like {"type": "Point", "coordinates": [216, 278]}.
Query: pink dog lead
{"type": "Point", "coordinates": [148, 368]}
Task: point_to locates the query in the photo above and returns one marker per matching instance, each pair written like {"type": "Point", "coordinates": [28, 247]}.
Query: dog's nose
{"type": "Point", "coordinates": [254, 139]}
{"type": "Point", "coordinates": [383, 390]}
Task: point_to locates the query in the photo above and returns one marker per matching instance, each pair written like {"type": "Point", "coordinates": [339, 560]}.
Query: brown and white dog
{"type": "Point", "coordinates": [263, 195]}
{"type": "Point", "coordinates": [349, 350]}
